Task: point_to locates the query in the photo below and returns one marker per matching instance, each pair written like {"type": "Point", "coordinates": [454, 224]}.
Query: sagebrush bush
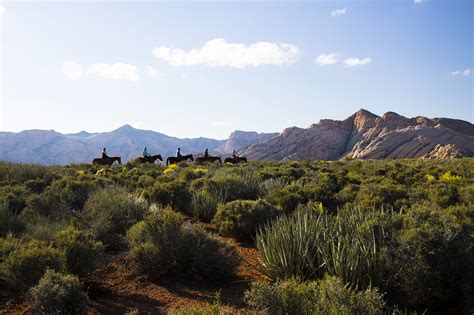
{"type": "Point", "coordinates": [234, 186]}
{"type": "Point", "coordinates": [327, 296]}
{"type": "Point", "coordinates": [432, 258]}
{"type": "Point", "coordinates": [82, 252]}
{"type": "Point", "coordinates": [241, 218]}
{"type": "Point", "coordinates": [174, 193]}
{"type": "Point", "coordinates": [309, 244]}
{"type": "Point", "coordinates": [58, 293]}
{"type": "Point", "coordinates": [109, 212]}
{"type": "Point", "coordinates": [25, 265]}
{"type": "Point", "coordinates": [164, 243]}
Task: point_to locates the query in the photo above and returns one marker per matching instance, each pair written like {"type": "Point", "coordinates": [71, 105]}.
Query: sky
{"type": "Point", "coordinates": [191, 69]}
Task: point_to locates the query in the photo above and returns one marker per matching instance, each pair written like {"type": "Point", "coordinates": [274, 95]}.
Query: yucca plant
{"type": "Point", "coordinates": [204, 204]}
{"type": "Point", "coordinates": [308, 244]}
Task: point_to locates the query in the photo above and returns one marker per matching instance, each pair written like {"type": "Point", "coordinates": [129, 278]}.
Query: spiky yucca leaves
{"type": "Point", "coordinates": [309, 244]}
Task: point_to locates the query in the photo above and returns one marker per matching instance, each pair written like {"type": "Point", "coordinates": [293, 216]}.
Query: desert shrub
{"type": "Point", "coordinates": [82, 252]}
{"type": "Point", "coordinates": [43, 229]}
{"type": "Point", "coordinates": [9, 221]}
{"type": "Point", "coordinates": [287, 199]}
{"type": "Point", "coordinates": [109, 212]}
{"type": "Point", "coordinates": [58, 293]}
{"type": "Point", "coordinates": [309, 244]}
{"type": "Point", "coordinates": [24, 266]}
{"type": "Point", "coordinates": [174, 194]}
{"type": "Point", "coordinates": [204, 204]}
{"type": "Point", "coordinates": [164, 243]}
{"type": "Point", "coordinates": [444, 194]}
{"type": "Point", "coordinates": [272, 184]}
{"type": "Point", "coordinates": [327, 296]}
{"type": "Point", "coordinates": [7, 245]}
{"type": "Point", "coordinates": [234, 186]}
{"type": "Point", "coordinates": [431, 260]}
{"type": "Point", "coordinates": [241, 218]}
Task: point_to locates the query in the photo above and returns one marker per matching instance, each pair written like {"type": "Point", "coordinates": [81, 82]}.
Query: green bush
{"type": "Point", "coordinates": [327, 296]}
{"type": "Point", "coordinates": [9, 221]}
{"type": "Point", "coordinates": [109, 212]}
{"type": "Point", "coordinates": [164, 243]}
{"type": "Point", "coordinates": [309, 244]}
{"type": "Point", "coordinates": [241, 218]}
{"type": "Point", "coordinates": [432, 258]}
{"type": "Point", "coordinates": [58, 293]}
{"type": "Point", "coordinates": [82, 252]}
{"type": "Point", "coordinates": [174, 194]}
{"type": "Point", "coordinates": [234, 186]}
{"type": "Point", "coordinates": [24, 266]}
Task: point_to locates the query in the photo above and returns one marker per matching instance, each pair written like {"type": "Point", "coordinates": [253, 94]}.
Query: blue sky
{"type": "Point", "coordinates": [192, 69]}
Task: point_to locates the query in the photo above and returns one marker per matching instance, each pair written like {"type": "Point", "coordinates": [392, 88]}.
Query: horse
{"type": "Point", "coordinates": [109, 160]}
{"type": "Point", "coordinates": [212, 159]}
{"type": "Point", "coordinates": [175, 159]}
{"type": "Point", "coordinates": [236, 160]}
{"type": "Point", "coordinates": [150, 159]}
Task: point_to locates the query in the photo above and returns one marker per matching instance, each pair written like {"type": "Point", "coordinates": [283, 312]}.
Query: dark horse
{"type": "Point", "coordinates": [107, 160]}
{"type": "Point", "coordinates": [150, 159]}
{"type": "Point", "coordinates": [175, 159]}
{"type": "Point", "coordinates": [212, 159]}
{"type": "Point", "coordinates": [235, 160]}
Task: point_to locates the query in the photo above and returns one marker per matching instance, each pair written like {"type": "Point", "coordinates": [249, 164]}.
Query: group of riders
{"type": "Point", "coordinates": [146, 154]}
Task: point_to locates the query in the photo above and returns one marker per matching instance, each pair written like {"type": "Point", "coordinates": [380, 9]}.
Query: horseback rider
{"type": "Point", "coordinates": [178, 153]}
{"type": "Point", "coordinates": [234, 155]}
{"type": "Point", "coordinates": [206, 153]}
{"type": "Point", "coordinates": [104, 154]}
{"type": "Point", "coordinates": [145, 153]}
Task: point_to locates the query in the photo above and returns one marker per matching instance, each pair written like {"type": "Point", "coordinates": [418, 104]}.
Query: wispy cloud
{"type": "Point", "coordinates": [419, 1]}
{"type": "Point", "coordinates": [219, 53]}
{"type": "Point", "coordinates": [221, 124]}
{"type": "Point", "coordinates": [152, 72]}
{"type": "Point", "coordinates": [353, 61]}
{"type": "Point", "coordinates": [72, 70]}
{"type": "Point", "coordinates": [327, 59]}
{"type": "Point", "coordinates": [339, 12]}
{"type": "Point", "coordinates": [115, 71]}
{"type": "Point", "coordinates": [464, 72]}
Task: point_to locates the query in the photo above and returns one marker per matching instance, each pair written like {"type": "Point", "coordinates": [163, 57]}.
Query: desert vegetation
{"type": "Point", "coordinates": [350, 236]}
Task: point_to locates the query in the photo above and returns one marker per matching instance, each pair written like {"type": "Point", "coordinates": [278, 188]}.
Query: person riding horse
{"type": "Point", "coordinates": [104, 154]}
{"type": "Point", "coordinates": [145, 153]}
{"type": "Point", "coordinates": [178, 153]}
{"type": "Point", "coordinates": [234, 155]}
{"type": "Point", "coordinates": [206, 153]}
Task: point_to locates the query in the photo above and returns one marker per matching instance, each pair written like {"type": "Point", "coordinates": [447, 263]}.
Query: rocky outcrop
{"type": "Point", "coordinates": [241, 139]}
{"type": "Point", "coordinates": [368, 136]}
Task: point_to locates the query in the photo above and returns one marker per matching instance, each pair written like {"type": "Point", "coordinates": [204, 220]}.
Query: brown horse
{"type": "Point", "coordinates": [212, 159]}
{"type": "Point", "coordinates": [107, 160]}
{"type": "Point", "coordinates": [150, 159]}
{"type": "Point", "coordinates": [236, 160]}
{"type": "Point", "coordinates": [175, 159]}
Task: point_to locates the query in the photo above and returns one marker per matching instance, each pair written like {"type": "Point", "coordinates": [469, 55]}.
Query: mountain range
{"type": "Point", "coordinates": [362, 135]}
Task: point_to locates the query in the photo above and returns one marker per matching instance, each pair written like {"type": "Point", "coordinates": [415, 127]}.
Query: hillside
{"type": "Point", "coordinates": [49, 147]}
{"type": "Point", "coordinates": [366, 135]}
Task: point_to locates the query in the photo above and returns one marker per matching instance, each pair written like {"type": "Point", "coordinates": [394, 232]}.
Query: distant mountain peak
{"type": "Point", "coordinates": [125, 127]}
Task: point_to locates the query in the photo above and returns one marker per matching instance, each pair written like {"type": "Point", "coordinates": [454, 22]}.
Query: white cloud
{"type": "Point", "coordinates": [114, 71]}
{"type": "Point", "coordinates": [464, 72]}
{"type": "Point", "coordinates": [419, 1]}
{"type": "Point", "coordinates": [219, 53]}
{"type": "Point", "coordinates": [339, 12]}
{"type": "Point", "coordinates": [152, 72]}
{"type": "Point", "coordinates": [221, 124]}
{"type": "Point", "coordinates": [327, 59]}
{"type": "Point", "coordinates": [353, 61]}
{"type": "Point", "coordinates": [72, 70]}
